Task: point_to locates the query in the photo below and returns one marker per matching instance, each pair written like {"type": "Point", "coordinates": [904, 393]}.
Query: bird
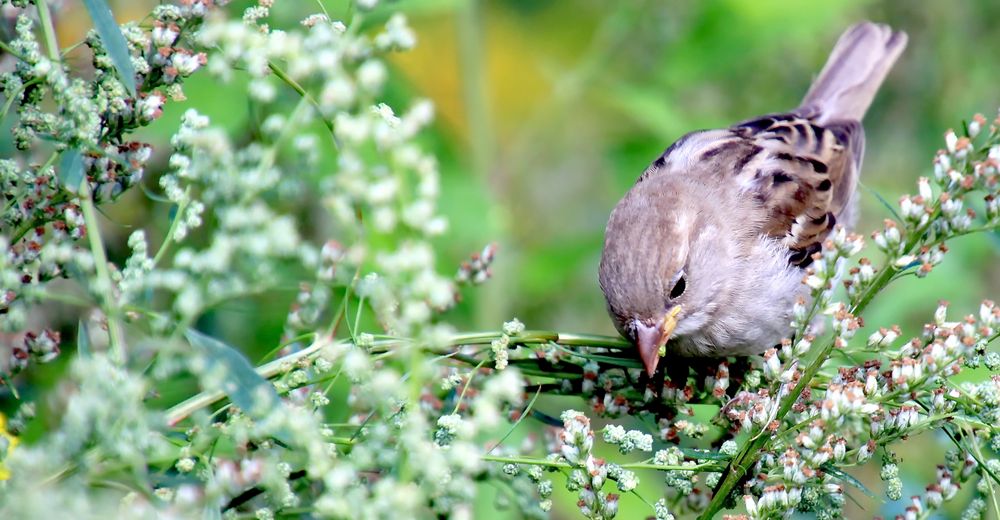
{"type": "Point", "coordinates": [705, 253]}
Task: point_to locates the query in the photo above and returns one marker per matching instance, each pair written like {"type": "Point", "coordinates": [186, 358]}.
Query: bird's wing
{"type": "Point", "coordinates": [801, 167]}
{"type": "Point", "coordinates": [800, 175]}
{"type": "Point", "coordinates": [804, 176]}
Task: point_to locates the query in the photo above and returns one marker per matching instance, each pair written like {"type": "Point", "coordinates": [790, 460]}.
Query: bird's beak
{"type": "Point", "coordinates": [651, 340]}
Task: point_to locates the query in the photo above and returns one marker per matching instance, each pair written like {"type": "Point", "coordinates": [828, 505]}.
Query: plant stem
{"type": "Point", "coordinates": [13, 97]}
{"type": "Point", "coordinates": [89, 212]}
{"type": "Point", "coordinates": [105, 285]}
{"type": "Point", "coordinates": [9, 50]}
{"type": "Point", "coordinates": [752, 450]}
{"type": "Point", "coordinates": [566, 465]}
{"type": "Point", "coordinates": [167, 240]}
{"type": "Point", "coordinates": [271, 369]}
{"type": "Point", "coordinates": [468, 382]}
{"type": "Point", "coordinates": [45, 19]}
{"type": "Point", "coordinates": [280, 74]}
{"type": "Point", "coordinates": [268, 370]}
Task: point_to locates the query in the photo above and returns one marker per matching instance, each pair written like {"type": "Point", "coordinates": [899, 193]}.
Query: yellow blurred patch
{"type": "Point", "coordinates": [12, 440]}
{"type": "Point", "coordinates": [515, 82]}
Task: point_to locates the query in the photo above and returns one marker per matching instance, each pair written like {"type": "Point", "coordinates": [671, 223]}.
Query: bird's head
{"type": "Point", "coordinates": [652, 266]}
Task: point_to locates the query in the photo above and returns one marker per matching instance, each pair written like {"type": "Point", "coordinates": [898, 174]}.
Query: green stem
{"type": "Point", "coordinates": [468, 382]}
{"type": "Point", "coordinates": [283, 76]}
{"type": "Point", "coordinates": [524, 413]}
{"type": "Point", "coordinates": [752, 450]}
{"type": "Point", "coordinates": [267, 370]}
{"type": "Point", "coordinates": [13, 97]}
{"type": "Point", "coordinates": [415, 387]}
{"type": "Point", "coordinates": [45, 19]}
{"type": "Point", "coordinates": [531, 462]}
{"type": "Point", "coordinates": [115, 333]}
{"type": "Point", "coordinates": [165, 246]}
{"type": "Point", "coordinates": [9, 50]}
{"type": "Point", "coordinates": [274, 367]}
{"type": "Point", "coordinates": [567, 465]}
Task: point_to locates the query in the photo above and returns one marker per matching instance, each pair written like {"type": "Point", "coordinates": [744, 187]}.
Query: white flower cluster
{"type": "Point", "coordinates": [577, 441]}
{"type": "Point", "coordinates": [500, 347]}
{"type": "Point", "coordinates": [627, 441]}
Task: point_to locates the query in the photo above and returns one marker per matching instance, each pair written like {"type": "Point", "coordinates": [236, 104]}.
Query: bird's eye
{"type": "Point", "coordinates": [679, 288]}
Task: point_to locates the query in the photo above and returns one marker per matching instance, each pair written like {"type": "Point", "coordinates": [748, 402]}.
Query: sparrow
{"type": "Point", "coordinates": [708, 247]}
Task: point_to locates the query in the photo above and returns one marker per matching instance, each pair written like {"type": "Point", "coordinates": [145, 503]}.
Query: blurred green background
{"type": "Point", "coordinates": [548, 110]}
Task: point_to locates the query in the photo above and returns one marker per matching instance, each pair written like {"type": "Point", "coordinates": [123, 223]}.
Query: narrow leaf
{"type": "Point", "coordinates": [154, 197]}
{"type": "Point", "coordinates": [525, 413]}
{"type": "Point", "coordinates": [546, 369]}
{"type": "Point", "coordinates": [627, 361]}
{"type": "Point", "coordinates": [82, 340]}
{"type": "Point", "coordinates": [245, 387]}
{"type": "Point", "coordinates": [883, 201]}
{"type": "Point", "coordinates": [71, 169]}
{"type": "Point", "coordinates": [545, 418]}
{"type": "Point", "coordinates": [113, 41]}
{"type": "Point", "coordinates": [703, 455]}
{"type": "Point", "coordinates": [844, 476]}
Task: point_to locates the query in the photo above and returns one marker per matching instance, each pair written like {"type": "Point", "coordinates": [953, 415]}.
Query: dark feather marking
{"type": "Point", "coordinates": [797, 256]}
{"type": "Point", "coordinates": [783, 212]}
{"type": "Point", "coordinates": [746, 158]}
{"type": "Point", "coordinates": [802, 257]}
{"type": "Point", "coordinates": [825, 185]}
{"type": "Point", "coordinates": [661, 161]}
{"type": "Point", "coordinates": [841, 133]}
{"type": "Point", "coordinates": [780, 177]}
{"type": "Point", "coordinates": [758, 125]}
{"type": "Point", "coordinates": [832, 221]}
{"type": "Point", "coordinates": [676, 144]}
{"type": "Point", "coordinates": [818, 166]}
{"type": "Point", "coordinates": [724, 147]}
{"type": "Point", "coordinates": [819, 131]}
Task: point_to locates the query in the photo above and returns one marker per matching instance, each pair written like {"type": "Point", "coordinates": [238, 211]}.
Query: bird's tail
{"type": "Point", "coordinates": [854, 71]}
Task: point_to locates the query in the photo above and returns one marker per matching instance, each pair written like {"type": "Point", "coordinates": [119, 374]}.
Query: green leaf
{"type": "Point", "coordinates": [71, 169]}
{"type": "Point", "coordinates": [245, 387]}
{"type": "Point", "coordinates": [545, 418]}
{"type": "Point", "coordinates": [82, 340]}
{"type": "Point", "coordinates": [543, 368]}
{"type": "Point", "coordinates": [692, 453]}
{"type": "Point", "coordinates": [883, 201]}
{"type": "Point", "coordinates": [844, 476]}
{"type": "Point", "coordinates": [153, 196]}
{"type": "Point", "coordinates": [627, 361]}
{"type": "Point", "coordinates": [113, 40]}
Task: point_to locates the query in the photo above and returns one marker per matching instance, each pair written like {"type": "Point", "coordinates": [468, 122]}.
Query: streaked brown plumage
{"type": "Point", "coordinates": [708, 246]}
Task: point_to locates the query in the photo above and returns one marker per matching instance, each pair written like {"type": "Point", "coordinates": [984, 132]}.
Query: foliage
{"type": "Point", "coordinates": [373, 404]}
